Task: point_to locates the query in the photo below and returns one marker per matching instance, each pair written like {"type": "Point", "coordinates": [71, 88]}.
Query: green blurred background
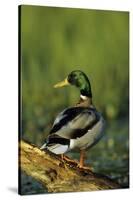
{"type": "Point", "coordinates": [55, 41]}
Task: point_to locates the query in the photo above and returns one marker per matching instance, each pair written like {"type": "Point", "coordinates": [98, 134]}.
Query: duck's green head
{"type": "Point", "coordinates": [78, 79]}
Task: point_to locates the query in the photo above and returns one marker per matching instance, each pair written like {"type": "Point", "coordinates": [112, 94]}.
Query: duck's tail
{"type": "Point", "coordinates": [57, 145]}
{"type": "Point", "coordinates": [44, 146]}
{"type": "Point", "coordinates": [58, 148]}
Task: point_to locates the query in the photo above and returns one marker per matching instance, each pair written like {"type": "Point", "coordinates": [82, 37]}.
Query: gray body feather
{"type": "Point", "coordinates": [75, 128]}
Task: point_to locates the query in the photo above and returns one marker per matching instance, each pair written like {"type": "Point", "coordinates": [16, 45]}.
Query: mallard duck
{"type": "Point", "coordinates": [78, 127]}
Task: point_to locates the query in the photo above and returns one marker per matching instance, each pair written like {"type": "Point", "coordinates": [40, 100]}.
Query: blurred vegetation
{"type": "Point", "coordinates": [55, 41]}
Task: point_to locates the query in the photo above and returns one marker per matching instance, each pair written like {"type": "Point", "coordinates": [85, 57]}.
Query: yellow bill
{"type": "Point", "coordinates": [62, 83]}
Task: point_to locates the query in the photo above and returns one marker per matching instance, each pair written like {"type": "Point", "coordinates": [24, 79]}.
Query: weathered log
{"type": "Point", "coordinates": [59, 176]}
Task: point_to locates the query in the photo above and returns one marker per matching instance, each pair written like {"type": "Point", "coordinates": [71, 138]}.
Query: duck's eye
{"type": "Point", "coordinates": [71, 78]}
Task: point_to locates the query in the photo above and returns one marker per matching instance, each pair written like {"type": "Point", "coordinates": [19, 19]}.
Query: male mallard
{"type": "Point", "coordinates": [78, 127]}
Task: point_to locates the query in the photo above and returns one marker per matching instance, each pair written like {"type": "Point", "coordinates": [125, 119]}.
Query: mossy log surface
{"type": "Point", "coordinates": [57, 175]}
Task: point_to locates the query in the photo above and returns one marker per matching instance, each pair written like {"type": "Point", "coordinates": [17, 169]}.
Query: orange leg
{"type": "Point", "coordinates": [62, 157]}
{"type": "Point", "coordinates": [81, 161]}
{"type": "Point", "coordinates": [82, 158]}
{"type": "Point", "coordinates": [66, 158]}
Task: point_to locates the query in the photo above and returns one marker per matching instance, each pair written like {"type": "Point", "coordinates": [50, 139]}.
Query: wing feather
{"type": "Point", "coordinates": [74, 122]}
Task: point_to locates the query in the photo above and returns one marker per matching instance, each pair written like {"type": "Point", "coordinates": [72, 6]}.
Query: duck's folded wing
{"type": "Point", "coordinates": [74, 122]}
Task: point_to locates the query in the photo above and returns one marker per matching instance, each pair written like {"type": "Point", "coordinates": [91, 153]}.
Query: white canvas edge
{"type": "Point", "coordinates": [9, 94]}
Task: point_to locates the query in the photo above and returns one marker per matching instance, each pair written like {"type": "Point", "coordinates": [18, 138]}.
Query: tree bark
{"type": "Point", "coordinates": [57, 175]}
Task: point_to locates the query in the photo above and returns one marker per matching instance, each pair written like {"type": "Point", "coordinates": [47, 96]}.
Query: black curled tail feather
{"type": "Point", "coordinates": [56, 139]}
{"type": "Point", "coordinates": [57, 144]}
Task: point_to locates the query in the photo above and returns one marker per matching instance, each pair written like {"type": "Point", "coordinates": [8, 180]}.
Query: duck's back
{"type": "Point", "coordinates": [74, 122]}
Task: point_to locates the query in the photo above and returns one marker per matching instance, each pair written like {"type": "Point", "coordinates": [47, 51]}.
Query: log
{"type": "Point", "coordinates": [57, 175]}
